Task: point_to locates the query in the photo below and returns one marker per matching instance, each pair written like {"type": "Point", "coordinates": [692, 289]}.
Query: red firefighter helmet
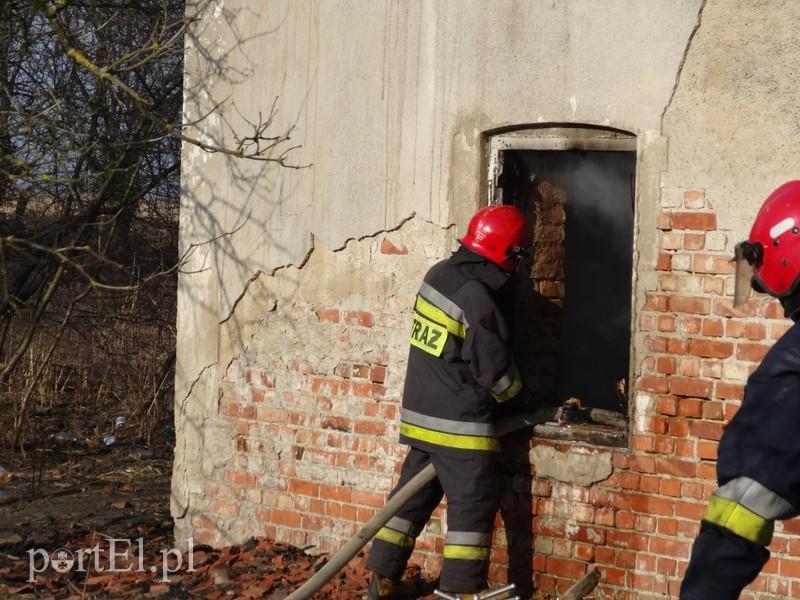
{"type": "Point", "coordinates": [500, 234]}
{"type": "Point", "coordinates": [769, 259]}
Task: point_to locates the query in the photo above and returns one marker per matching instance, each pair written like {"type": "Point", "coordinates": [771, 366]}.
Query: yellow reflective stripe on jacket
{"type": "Point", "coordinates": [434, 313]}
{"type": "Point", "coordinates": [394, 537]}
{"type": "Point", "coordinates": [508, 385]}
{"type": "Point", "coordinates": [738, 519]}
{"type": "Point", "coordinates": [465, 552]}
{"type": "Point", "coordinates": [450, 440]}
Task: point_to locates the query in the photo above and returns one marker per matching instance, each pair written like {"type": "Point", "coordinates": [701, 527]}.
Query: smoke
{"type": "Point", "coordinates": [594, 349]}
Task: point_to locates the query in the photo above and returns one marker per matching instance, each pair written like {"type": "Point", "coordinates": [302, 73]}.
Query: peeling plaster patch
{"type": "Point", "coordinates": [309, 254]}
{"type": "Point", "coordinates": [584, 468]}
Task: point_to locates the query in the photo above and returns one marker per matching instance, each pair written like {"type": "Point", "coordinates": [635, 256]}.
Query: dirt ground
{"type": "Point", "coordinates": [96, 524]}
{"type": "Point", "coordinates": [58, 515]}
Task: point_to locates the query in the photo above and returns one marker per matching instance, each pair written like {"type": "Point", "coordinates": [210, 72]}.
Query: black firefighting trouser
{"type": "Point", "coordinates": [470, 485]}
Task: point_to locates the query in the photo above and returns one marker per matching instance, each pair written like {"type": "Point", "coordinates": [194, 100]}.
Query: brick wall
{"type": "Point", "coordinates": [314, 449]}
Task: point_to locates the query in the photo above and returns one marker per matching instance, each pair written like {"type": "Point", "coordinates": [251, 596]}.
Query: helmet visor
{"type": "Point", "coordinates": [747, 255]}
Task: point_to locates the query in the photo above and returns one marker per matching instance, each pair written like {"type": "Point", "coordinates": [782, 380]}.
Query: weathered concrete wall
{"type": "Point", "coordinates": [292, 324]}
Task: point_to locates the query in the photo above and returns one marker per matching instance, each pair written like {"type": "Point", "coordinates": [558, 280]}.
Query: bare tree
{"type": "Point", "coordinates": [90, 134]}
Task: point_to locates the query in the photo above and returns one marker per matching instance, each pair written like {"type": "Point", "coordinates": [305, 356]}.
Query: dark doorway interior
{"type": "Point", "coordinates": [571, 310]}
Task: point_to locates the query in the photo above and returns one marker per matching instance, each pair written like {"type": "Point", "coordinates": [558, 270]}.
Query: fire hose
{"type": "Point", "coordinates": [401, 496]}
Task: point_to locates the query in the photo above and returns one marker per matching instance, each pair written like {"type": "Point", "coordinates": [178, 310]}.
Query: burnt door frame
{"type": "Point", "coordinates": [565, 138]}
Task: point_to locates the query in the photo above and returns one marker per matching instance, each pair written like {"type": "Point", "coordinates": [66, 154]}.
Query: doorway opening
{"type": "Point", "coordinates": [570, 305]}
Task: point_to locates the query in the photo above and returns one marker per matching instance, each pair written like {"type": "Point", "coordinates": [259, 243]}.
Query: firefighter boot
{"type": "Point", "coordinates": [383, 588]}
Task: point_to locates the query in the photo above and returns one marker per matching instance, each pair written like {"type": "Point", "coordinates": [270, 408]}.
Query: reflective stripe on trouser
{"type": "Point", "coordinates": [464, 435]}
{"type": "Point", "coordinates": [748, 509]}
{"type": "Point", "coordinates": [471, 489]}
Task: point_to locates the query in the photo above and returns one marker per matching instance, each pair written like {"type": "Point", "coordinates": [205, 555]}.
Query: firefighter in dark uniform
{"type": "Point", "coordinates": [460, 370]}
{"type": "Point", "coordinates": [758, 468]}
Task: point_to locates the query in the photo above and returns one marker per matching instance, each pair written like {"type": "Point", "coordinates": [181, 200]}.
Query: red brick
{"type": "Point", "coordinates": [664, 262]}
{"type": "Point", "coordinates": [368, 498]}
{"type": "Point", "coordinates": [644, 443]}
{"type": "Point", "coordinates": [584, 552]}
{"type": "Point", "coordinates": [707, 450]}
{"type": "Point", "coordinates": [377, 374]}
{"type": "Point", "coordinates": [679, 427]}
{"type": "Point", "coordinates": [666, 547]}
{"type": "Point", "coordinates": [694, 199]}
{"type": "Point", "coordinates": [694, 220]}
{"type": "Point", "coordinates": [370, 427]}
{"type": "Point", "coordinates": [656, 302]}
{"type": "Point", "coordinates": [225, 508]}
{"type": "Point", "coordinates": [665, 220]}
{"type": "Point", "coordinates": [657, 343]}
{"type": "Point", "coordinates": [629, 481]}
{"type": "Point", "coordinates": [714, 285]}
{"type": "Point", "coordinates": [563, 567]}
{"type": "Point", "coordinates": [349, 512]}
{"type": "Point", "coordinates": [604, 516]}
{"type": "Point", "coordinates": [707, 470]}
{"type": "Point", "coordinates": [664, 444]}
{"type": "Point", "coordinates": [690, 510]}
{"type": "Point", "coordinates": [776, 330]}
{"type": "Point", "coordinates": [750, 330]}
{"type": "Point", "coordinates": [706, 429]}
{"type": "Point", "coordinates": [709, 263]}
{"type": "Point", "coordinates": [713, 327]}
{"type": "Point", "coordinates": [659, 385]}
{"type": "Point", "coordinates": [625, 559]}
{"type": "Point", "coordinates": [337, 423]}
{"type": "Point", "coordinates": [684, 447]}
{"type": "Point", "coordinates": [651, 504]}
{"type": "Point", "coordinates": [729, 391]}
{"type": "Point", "coordinates": [668, 283]}
{"type": "Point", "coordinates": [241, 479]}
{"type": "Point", "coordinates": [387, 247]}
{"type": "Point", "coordinates": [690, 407]}
{"type": "Point", "coordinates": [327, 314]}
{"type": "Point", "coordinates": [642, 464]}
{"type": "Point", "coordinates": [360, 371]}
{"type": "Point", "coordinates": [626, 539]}
{"type": "Point", "coordinates": [357, 317]}
{"type": "Point", "coordinates": [773, 310]}
{"type": "Point", "coordinates": [691, 325]}
{"type": "Point", "coordinates": [751, 352]}
{"type": "Point", "coordinates": [666, 323]}
{"type": "Point", "coordinates": [694, 241]}
{"type": "Point", "coordinates": [710, 348]}
{"type": "Point", "coordinates": [675, 467]}
{"type": "Point", "coordinates": [689, 367]}
{"type": "Point", "coordinates": [694, 306]}
{"type": "Point", "coordinates": [713, 410]}
{"type": "Point", "coordinates": [670, 487]}
{"type": "Point", "coordinates": [677, 346]}
{"type": "Point", "coordinates": [285, 517]}
{"type": "Point", "coordinates": [667, 526]}
{"type": "Point", "coordinates": [303, 488]}
{"type": "Point", "coordinates": [690, 387]}
{"type": "Point", "coordinates": [667, 405]}
{"type": "Point", "coordinates": [665, 364]}
{"type": "Point", "coordinates": [724, 308]}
